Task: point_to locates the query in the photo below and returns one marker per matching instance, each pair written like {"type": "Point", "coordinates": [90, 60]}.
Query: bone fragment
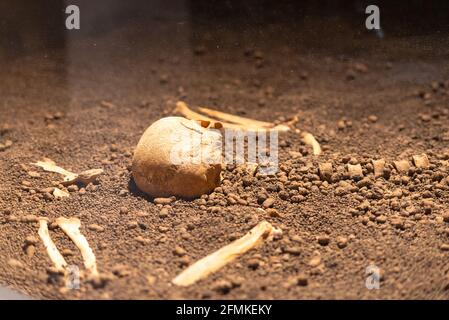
{"type": "Point", "coordinates": [421, 161]}
{"type": "Point", "coordinates": [402, 166]}
{"type": "Point", "coordinates": [310, 140]}
{"type": "Point", "coordinates": [215, 261]}
{"type": "Point", "coordinates": [84, 177]}
{"type": "Point", "coordinates": [71, 228]}
{"type": "Point", "coordinates": [235, 119]}
{"type": "Point", "coordinates": [379, 166]}
{"type": "Point", "coordinates": [50, 165]}
{"type": "Point", "coordinates": [58, 193]}
{"type": "Point", "coordinates": [240, 124]}
{"type": "Point", "coordinates": [355, 171]}
{"type": "Point", "coordinates": [53, 252]}
{"type": "Point", "coordinates": [325, 170]}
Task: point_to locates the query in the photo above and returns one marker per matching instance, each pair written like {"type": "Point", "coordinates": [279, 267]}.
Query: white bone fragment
{"type": "Point", "coordinates": [50, 165]}
{"type": "Point", "coordinates": [325, 170]}
{"type": "Point", "coordinates": [244, 124]}
{"type": "Point", "coordinates": [71, 228]}
{"type": "Point", "coordinates": [235, 119]}
{"type": "Point", "coordinates": [53, 252]}
{"type": "Point", "coordinates": [58, 193]}
{"type": "Point", "coordinates": [84, 177]}
{"type": "Point", "coordinates": [379, 166]}
{"type": "Point", "coordinates": [421, 161]}
{"type": "Point", "coordinates": [310, 140]}
{"type": "Point", "coordinates": [402, 166]}
{"type": "Point", "coordinates": [355, 171]}
{"type": "Point", "coordinates": [215, 261]}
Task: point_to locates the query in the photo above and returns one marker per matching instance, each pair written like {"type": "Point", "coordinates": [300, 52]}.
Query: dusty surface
{"type": "Point", "coordinates": [363, 98]}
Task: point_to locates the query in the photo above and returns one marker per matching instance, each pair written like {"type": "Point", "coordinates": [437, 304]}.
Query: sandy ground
{"type": "Point", "coordinates": [363, 98]}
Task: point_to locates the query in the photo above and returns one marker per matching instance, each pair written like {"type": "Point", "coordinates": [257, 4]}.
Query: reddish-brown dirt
{"type": "Point", "coordinates": [363, 98]}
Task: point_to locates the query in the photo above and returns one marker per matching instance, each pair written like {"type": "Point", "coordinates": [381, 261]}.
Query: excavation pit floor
{"type": "Point", "coordinates": [364, 98]}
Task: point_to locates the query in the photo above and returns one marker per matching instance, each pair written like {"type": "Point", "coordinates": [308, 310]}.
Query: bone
{"type": "Point", "coordinates": [71, 228]}
{"type": "Point", "coordinates": [50, 166]}
{"type": "Point", "coordinates": [355, 171]}
{"type": "Point", "coordinates": [240, 123]}
{"type": "Point", "coordinates": [402, 166]}
{"type": "Point", "coordinates": [55, 256]}
{"type": "Point", "coordinates": [310, 140]}
{"type": "Point", "coordinates": [421, 161]}
{"type": "Point", "coordinates": [84, 177]}
{"type": "Point", "coordinates": [58, 193]}
{"type": "Point", "coordinates": [236, 119]}
{"type": "Point", "coordinates": [215, 261]}
{"type": "Point", "coordinates": [378, 166]}
{"type": "Point", "coordinates": [325, 170]}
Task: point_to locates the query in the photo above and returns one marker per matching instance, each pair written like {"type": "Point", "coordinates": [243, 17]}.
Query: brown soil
{"type": "Point", "coordinates": [363, 98]}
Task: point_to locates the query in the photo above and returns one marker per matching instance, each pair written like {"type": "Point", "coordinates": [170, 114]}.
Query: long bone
{"type": "Point", "coordinates": [240, 120]}
{"type": "Point", "coordinates": [53, 252]}
{"type": "Point", "coordinates": [71, 228]}
{"type": "Point", "coordinates": [215, 261]}
{"type": "Point", "coordinates": [310, 140]}
{"type": "Point", "coordinates": [240, 123]}
{"type": "Point", "coordinates": [84, 177]}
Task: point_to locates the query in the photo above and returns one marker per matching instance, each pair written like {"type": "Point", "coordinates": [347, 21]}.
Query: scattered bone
{"type": "Point", "coordinates": [421, 161]}
{"type": "Point", "coordinates": [107, 104]}
{"type": "Point", "coordinates": [71, 228]}
{"type": "Point", "coordinates": [235, 122]}
{"type": "Point", "coordinates": [89, 176]}
{"type": "Point", "coordinates": [58, 193]}
{"type": "Point", "coordinates": [84, 177]}
{"type": "Point", "coordinates": [215, 261]}
{"type": "Point", "coordinates": [235, 119]}
{"type": "Point", "coordinates": [310, 140]}
{"type": "Point", "coordinates": [379, 166]}
{"type": "Point", "coordinates": [53, 252]}
{"type": "Point", "coordinates": [325, 170]}
{"type": "Point", "coordinates": [355, 171]}
{"type": "Point", "coordinates": [402, 166]}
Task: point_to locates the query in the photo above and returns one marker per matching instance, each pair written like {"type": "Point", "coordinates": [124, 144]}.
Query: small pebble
{"type": "Point", "coordinates": [222, 286]}
{"type": "Point", "coordinates": [95, 227]}
{"type": "Point", "coordinates": [163, 200]}
{"type": "Point", "coordinates": [342, 242]}
{"type": "Point", "coordinates": [268, 203]}
{"type": "Point", "coordinates": [179, 251]}
{"type": "Point", "coordinates": [132, 225]}
{"type": "Point", "coordinates": [293, 250]}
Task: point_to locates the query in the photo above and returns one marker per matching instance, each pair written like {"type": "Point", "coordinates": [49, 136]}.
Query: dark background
{"type": "Point", "coordinates": [29, 25]}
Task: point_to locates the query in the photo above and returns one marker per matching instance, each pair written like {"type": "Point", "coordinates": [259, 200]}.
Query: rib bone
{"type": "Point", "coordinates": [310, 140]}
{"type": "Point", "coordinates": [53, 252]}
{"type": "Point", "coordinates": [235, 119]}
{"type": "Point", "coordinates": [71, 228]}
{"type": "Point", "coordinates": [239, 123]}
{"type": "Point", "coordinates": [215, 261]}
{"type": "Point", "coordinates": [84, 177]}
